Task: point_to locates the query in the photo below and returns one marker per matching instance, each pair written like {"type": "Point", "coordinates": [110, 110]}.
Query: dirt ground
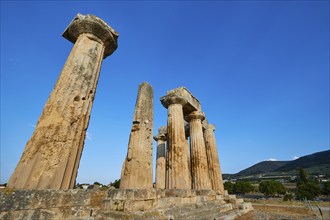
{"type": "Point", "coordinates": [286, 211]}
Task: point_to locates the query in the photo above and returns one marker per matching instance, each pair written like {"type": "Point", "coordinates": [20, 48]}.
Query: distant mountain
{"type": "Point", "coordinates": [312, 160]}
{"type": "Point", "coordinates": [317, 163]}
{"type": "Point", "coordinates": [262, 167]}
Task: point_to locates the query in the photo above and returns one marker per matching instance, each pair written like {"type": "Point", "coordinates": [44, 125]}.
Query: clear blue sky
{"type": "Point", "coordinates": [259, 68]}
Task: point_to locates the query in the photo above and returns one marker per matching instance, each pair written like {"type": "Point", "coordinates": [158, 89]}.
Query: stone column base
{"type": "Point", "coordinates": [120, 204]}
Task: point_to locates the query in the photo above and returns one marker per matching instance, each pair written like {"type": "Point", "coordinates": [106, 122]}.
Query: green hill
{"type": "Point", "coordinates": [316, 164]}
{"type": "Point", "coordinates": [262, 167]}
{"type": "Point", "coordinates": [309, 161]}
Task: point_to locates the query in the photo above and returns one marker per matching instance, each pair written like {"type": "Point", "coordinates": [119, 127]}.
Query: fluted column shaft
{"type": "Point", "coordinates": [137, 167]}
{"type": "Point", "coordinates": [51, 157]}
{"type": "Point", "coordinates": [178, 173]}
{"type": "Point", "coordinates": [160, 161]}
{"type": "Point", "coordinates": [199, 167]}
{"type": "Point", "coordinates": [213, 158]}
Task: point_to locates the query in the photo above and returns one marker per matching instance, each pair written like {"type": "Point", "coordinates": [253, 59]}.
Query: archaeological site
{"type": "Point", "coordinates": [188, 178]}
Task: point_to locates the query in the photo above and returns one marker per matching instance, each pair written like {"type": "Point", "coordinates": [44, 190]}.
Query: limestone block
{"type": "Point", "coordinates": [219, 197]}
{"type": "Point", "coordinates": [160, 193]}
{"type": "Point", "coordinates": [239, 201]}
{"type": "Point", "coordinates": [200, 199]}
{"type": "Point", "coordinates": [245, 206]}
{"type": "Point", "coordinates": [145, 194]}
{"type": "Point", "coordinates": [177, 193]}
{"type": "Point", "coordinates": [166, 202]}
{"type": "Point", "coordinates": [117, 194]}
{"type": "Point", "coordinates": [141, 205]}
{"type": "Point", "coordinates": [205, 192]}
{"type": "Point", "coordinates": [192, 103]}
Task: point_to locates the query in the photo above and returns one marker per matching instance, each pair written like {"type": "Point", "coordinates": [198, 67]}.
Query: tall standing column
{"type": "Point", "coordinates": [160, 159]}
{"type": "Point", "coordinates": [199, 167]}
{"type": "Point", "coordinates": [137, 168]}
{"type": "Point", "coordinates": [187, 134]}
{"type": "Point", "coordinates": [178, 173]}
{"type": "Point", "coordinates": [51, 157]}
{"type": "Point", "coordinates": [213, 158]}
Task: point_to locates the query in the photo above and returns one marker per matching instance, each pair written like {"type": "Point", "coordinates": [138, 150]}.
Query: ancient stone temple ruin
{"type": "Point", "coordinates": [188, 175]}
{"type": "Point", "coordinates": [198, 168]}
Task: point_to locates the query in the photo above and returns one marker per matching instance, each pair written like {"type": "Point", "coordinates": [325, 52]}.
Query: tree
{"type": "Point", "coordinates": [271, 188]}
{"type": "Point", "coordinates": [308, 191]}
{"type": "Point", "coordinates": [242, 187]}
{"type": "Point", "coordinates": [116, 184]}
{"type": "Point", "coordinates": [303, 176]}
{"type": "Point", "coordinates": [306, 188]}
{"type": "Point", "coordinates": [326, 188]}
{"type": "Point", "coordinates": [229, 187]}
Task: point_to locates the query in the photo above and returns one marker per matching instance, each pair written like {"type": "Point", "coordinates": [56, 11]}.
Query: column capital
{"type": "Point", "coordinates": [161, 137]}
{"type": "Point", "coordinates": [162, 130]}
{"type": "Point", "coordinates": [95, 26]}
{"type": "Point", "coordinates": [172, 99]}
{"type": "Point", "coordinates": [196, 115]}
{"type": "Point", "coordinates": [209, 127]}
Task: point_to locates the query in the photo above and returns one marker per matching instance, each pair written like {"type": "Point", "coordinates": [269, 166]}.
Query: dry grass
{"type": "Point", "coordinates": [276, 210]}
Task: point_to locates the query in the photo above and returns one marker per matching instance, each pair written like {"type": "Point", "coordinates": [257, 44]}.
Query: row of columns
{"type": "Point", "coordinates": [197, 169]}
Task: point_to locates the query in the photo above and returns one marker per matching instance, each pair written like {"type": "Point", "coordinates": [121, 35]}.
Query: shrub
{"type": "Point", "coordinates": [288, 197]}
{"type": "Point", "coordinates": [243, 187]}
{"type": "Point", "coordinates": [116, 184]}
{"type": "Point", "coordinates": [271, 188]}
{"type": "Point", "coordinates": [229, 187]}
{"type": "Point", "coordinates": [308, 191]}
{"type": "Point", "coordinates": [240, 187]}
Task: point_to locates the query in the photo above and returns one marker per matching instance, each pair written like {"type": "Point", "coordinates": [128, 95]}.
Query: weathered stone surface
{"type": "Point", "coordinates": [177, 158]}
{"type": "Point", "coordinates": [52, 155]}
{"type": "Point", "coordinates": [199, 167]}
{"type": "Point", "coordinates": [160, 159]}
{"type": "Point", "coordinates": [50, 204]}
{"type": "Point", "coordinates": [137, 168]}
{"type": "Point", "coordinates": [162, 130]}
{"type": "Point", "coordinates": [95, 26]}
{"type": "Point", "coordinates": [213, 158]}
{"type": "Point", "coordinates": [118, 204]}
{"type": "Point", "coordinates": [190, 104]}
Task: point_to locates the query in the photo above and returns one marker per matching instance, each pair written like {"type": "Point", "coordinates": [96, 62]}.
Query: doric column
{"type": "Point", "coordinates": [137, 168]}
{"type": "Point", "coordinates": [187, 135]}
{"type": "Point", "coordinates": [213, 158]}
{"type": "Point", "coordinates": [52, 155]}
{"type": "Point", "coordinates": [160, 159]}
{"type": "Point", "coordinates": [178, 173]}
{"type": "Point", "coordinates": [199, 167]}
